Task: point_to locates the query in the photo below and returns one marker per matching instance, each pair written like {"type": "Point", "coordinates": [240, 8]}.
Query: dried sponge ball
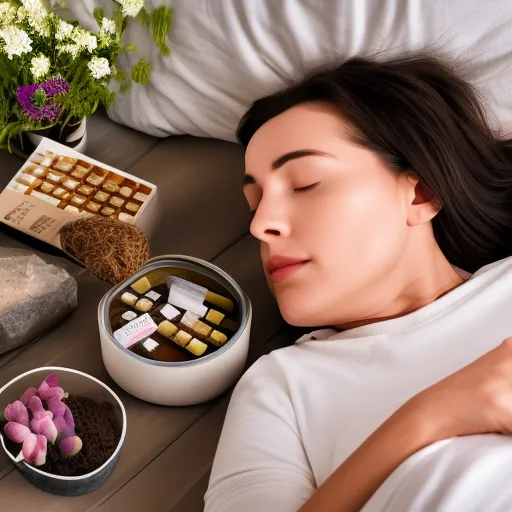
{"type": "Point", "coordinates": [109, 249]}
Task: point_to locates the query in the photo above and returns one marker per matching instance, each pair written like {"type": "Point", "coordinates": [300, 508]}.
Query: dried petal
{"type": "Point", "coordinates": [65, 424]}
{"type": "Point", "coordinates": [61, 426]}
{"type": "Point", "coordinates": [46, 392]}
{"type": "Point", "coordinates": [17, 412]}
{"type": "Point", "coordinates": [52, 380]}
{"type": "Point", "coordinates": [71, 445]}
{"type": "Point", "coordinates": [34, 449]}
{"type": "Point", "coordinates": [27, 395]}
{"type": "Point", "coordinates": [56, 407]}
{"type": "Point", "coordinates": [16, 432]}
{"type": "Point", "coordinates": [43, 424]}
{"type": "Point", "coordinates": [36, 406]}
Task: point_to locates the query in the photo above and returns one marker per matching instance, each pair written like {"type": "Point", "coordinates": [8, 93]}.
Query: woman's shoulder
{"type": "Point", "coordinates": [270, 371]}
{"type": "Point", "coordinates": [500, 266]}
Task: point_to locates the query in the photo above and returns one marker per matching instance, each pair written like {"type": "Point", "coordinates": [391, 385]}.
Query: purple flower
{"type": "Point", "coordinates": [51, 88]}
{"type": "Point", "coordinates": [55, 85]}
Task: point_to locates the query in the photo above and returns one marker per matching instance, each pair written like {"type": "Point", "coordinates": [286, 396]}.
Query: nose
{"type": "Point", "coordinates": [271, 221]}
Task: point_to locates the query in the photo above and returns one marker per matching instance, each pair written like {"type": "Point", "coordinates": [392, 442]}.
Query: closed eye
{"type": "Point", "coordinates": [299, 189]}
{"type": "Point", "coordinates": [305, 189]}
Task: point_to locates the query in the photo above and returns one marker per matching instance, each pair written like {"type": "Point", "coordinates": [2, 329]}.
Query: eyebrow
{"type": "Point", "coordinates": [292, 155]}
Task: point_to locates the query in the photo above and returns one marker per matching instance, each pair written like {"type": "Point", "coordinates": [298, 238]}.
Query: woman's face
{"type": "Point", "coordinates": [331, 217]}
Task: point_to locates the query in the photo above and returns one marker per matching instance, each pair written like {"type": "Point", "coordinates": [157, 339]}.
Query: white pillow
{"type": "Point", "coordinates": [228, 53]}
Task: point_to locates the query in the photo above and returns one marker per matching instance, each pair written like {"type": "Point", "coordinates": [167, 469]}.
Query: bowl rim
{"type": "Point", "coordinates": [97, 381]}
{"type": "Point", "coordinates": [190, 262]}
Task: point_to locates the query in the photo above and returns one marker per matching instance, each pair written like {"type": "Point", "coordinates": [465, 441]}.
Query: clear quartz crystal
{"type": "Point", "coordinates": [26, 277]}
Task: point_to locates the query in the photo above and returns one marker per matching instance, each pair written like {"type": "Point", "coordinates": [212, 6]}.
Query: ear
{"type": "Point", "coordinates": [421, 205]}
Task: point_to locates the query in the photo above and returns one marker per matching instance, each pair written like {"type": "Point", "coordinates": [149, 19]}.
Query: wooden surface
{"type": "Point", "coordinates": [168, 452]}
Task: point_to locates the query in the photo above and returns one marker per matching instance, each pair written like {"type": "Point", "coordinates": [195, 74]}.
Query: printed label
{"type": "Point", "coordinates": [135, 331]}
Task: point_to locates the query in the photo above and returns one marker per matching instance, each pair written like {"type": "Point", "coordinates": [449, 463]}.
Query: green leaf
{"type": "Point", "coordinates": [99, 14]}
{"type": "Point", "coordinates": [122, 78]}
{"type": "Point", "coordinates": [118, 19]}
{"type": "Point", "coordinates": [130, 48]}
{"type": "Point", "coordinates": [141, 72]}
{"type": "Point", "coordinates": [143, 17]}
{"type": "Point", "coordinates": [161, 21]}
{"type": "Point", "coordinates": [39, 97]}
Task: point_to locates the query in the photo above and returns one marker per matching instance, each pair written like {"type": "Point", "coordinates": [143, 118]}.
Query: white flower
{"type": "Point", "coordinates": [21, 14]}
{"type": "Point", "coordinates": [58, 3]}
{"type": "Point", "coordinates": [17, 41]}
{"type": "Point", "coordinates": [37, 15]}
{"type": "Point", "coordinates": [108, 27]}
{"type": "Point", "coordinates": [39, 24]}
{"type": "Point", "coordinates": [7, 13]}
{"type": "Point", "coordinates": [131, 7]}
{"type": "Point", "coordinates": [72, 49]}
{"type": "Point", "coordinates": [99, 67]}
{"type": "Point", "coordinates": [40, 66]}
{"type": "Point", "coordinates": [35, 7]}
{"type": "Point", "coordinates": [64, 30]}
{"type": "Point", "coordinates": [84, 39]}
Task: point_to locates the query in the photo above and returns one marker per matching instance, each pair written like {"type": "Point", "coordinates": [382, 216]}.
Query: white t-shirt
{"type": "Point", "coordinates": [299, 412]}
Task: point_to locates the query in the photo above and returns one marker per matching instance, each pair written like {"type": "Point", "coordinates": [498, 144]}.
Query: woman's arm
{"type": "Point", "coordinates": [355, 481]}
{"type": "Point", "coordinates": [260, 464]}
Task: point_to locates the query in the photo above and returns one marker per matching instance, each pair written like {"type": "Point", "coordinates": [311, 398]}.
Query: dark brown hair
{"type": "Point", "coordinates": [418, 114]}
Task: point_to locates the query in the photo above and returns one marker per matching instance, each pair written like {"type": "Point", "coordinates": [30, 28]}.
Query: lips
{"type": "Point", "coordinates": [281, 267]}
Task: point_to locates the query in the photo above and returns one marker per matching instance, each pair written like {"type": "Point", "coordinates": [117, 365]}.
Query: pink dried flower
{"type": "Point", "coordinates": [40, 416]}
{"type": "Point", "coordinates": [50, 389]}
{"type": "Point", "coordinates": [16, 432]}
{"type": "Point", "coordinates": [41, 422]}
{"type": "Point", "coordinates": [65, 423]}
{"type": "Point", "coordinates": [27, 395]}
{"type": "Point", "coordinates": [70, 445]}
{"type": "Point", "coordinates": [56, 407]}
{"type": "Point", "coordinates": [17, 412]}
{"type": "Point", "coordinates": [52, 380]}
{"type": "Point", "coordinates": [34, 449]}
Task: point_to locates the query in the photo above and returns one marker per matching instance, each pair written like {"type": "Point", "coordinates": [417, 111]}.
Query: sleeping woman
{"type": "Point", "coordinates": [383, 203]}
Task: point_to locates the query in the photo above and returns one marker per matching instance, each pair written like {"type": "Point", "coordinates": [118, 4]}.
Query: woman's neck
{"type": "Point", "coordinates": [413, 285]}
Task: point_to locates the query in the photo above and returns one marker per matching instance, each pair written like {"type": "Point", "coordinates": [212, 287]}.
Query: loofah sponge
{"type": "Point", "coordinates": [110, 249]}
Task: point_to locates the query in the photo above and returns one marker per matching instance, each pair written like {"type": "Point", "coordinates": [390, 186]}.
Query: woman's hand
{"type": "Point", "coordinates": [475, 400]}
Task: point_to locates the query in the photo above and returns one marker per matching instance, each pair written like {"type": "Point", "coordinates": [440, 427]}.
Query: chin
{"type": "Point", "coordinates": [298, 313]}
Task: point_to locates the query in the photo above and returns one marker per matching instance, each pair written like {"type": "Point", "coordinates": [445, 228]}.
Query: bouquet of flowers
{"type": "Point", "coordinates": [54, 72]}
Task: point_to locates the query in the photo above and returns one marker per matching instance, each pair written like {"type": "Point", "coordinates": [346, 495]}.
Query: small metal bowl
{"type": "Point", "coordinates": [177, 383]}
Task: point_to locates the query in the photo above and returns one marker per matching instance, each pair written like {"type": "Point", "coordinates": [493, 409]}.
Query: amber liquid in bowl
{"type": "Point", "coordinates": [167, 349]}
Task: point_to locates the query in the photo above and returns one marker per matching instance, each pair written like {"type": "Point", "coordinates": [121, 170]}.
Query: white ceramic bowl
{"type": "Point", "coordinates": [79, 384]}
{"type": "Point", "coordinates": [177, 383]}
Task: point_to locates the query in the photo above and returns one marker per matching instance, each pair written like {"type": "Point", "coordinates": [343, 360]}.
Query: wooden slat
{"type": "Point", "coordinates": [176, 473]}
{"type": "Point", "coordinates": [201, 207]}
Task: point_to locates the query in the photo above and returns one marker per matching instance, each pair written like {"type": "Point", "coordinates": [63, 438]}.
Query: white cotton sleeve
{"type": "Point", "coordinates": [260, 464]}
